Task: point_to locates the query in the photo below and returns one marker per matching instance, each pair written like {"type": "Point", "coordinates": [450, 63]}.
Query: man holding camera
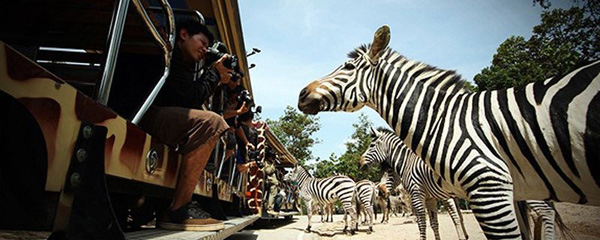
{"type": "Point", "coordinates": [176, 118]}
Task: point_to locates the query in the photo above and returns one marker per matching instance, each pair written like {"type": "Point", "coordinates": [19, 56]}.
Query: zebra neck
{"type": "Point", "coordinates": [303, 178]}
{"type": "Point", "coordinates": [397, 156]}
{"type": "Point", "coordinates": [412, 97]}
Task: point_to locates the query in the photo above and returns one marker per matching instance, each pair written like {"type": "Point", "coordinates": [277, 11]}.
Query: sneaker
{"type": "Point", "coordinates": [190, 217]}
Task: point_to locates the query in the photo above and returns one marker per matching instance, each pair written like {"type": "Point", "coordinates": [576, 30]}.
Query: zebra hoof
{"type": "Point", "coordinates": [345, 229]}
{"type": "Point", "coordinates": [351, 232]}
{"type": "Point", "coordinates": [307, 230]}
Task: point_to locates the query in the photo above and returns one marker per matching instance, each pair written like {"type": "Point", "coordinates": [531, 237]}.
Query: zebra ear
{"type": "Point", "coordinates": [374, 132]}
{"type": "Point", "coordinates": [384, 177]}
{"type": "Point", "coordinates": [380, 42]}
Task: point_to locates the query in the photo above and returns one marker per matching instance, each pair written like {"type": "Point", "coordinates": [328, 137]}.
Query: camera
{"type": "Point", "coordinates": [253, 155]}
{"type": "Point", "coordinates": [245, 96]}
{"type": "Point", "coordinates": [217, 51]}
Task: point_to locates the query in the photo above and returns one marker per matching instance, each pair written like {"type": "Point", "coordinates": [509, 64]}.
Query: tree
{"type": "Point", "coordinates": [563, 40]}
{"type": "Point", "coordinates": [347, 164]}
{"type": "Point", "coordinates": [295, 131]}
{"type": "Point", "coordinates": [326, 167]}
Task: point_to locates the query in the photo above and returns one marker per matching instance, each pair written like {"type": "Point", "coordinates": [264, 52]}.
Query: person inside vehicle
{"type": "Point", "coordinates": [246, 137]}
{"type": "Point", "coordinates": [177, 119]}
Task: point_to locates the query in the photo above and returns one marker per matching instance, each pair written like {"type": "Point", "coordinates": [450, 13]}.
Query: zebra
{"type": "Point", "coordinates": [324, 191]}
{"type": "Point", "coordinates": [423, 185]}
{"type": "Point", "coordinates": [539, 141]}
{"type": "Point", "coordinates": [387, 149]}
{"type": "Point", "coordinates": [365, 195]}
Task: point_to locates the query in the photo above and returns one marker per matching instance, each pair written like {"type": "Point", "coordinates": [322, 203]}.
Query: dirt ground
{"type": "Point", "coordinates": [583, 222]}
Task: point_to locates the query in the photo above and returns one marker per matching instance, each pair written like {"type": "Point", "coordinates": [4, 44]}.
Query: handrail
{"type": "Point", "coordinates": [116, 31]}
{"type": "Point", "coordinates": [168, 50]}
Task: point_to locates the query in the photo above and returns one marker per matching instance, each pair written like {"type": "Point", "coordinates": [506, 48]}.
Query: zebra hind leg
{"type": "Point", "coordinates": [371, 213]}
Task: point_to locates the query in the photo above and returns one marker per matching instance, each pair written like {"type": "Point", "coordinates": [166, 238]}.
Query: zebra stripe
{"type": "Point", "coordinates": [325, 191]}
{"type": "Point", "coordinates": [539, 141]}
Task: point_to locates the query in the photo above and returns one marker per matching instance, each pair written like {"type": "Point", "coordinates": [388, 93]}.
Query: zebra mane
{"type": "Point", "coordinates": [385, 130]}
{"type": "Point", "coordinates": [362, 49]}
{"type": "Point", "coordinates": [455, 80]}
{"type": "Point", "coordinates": [305, 170]}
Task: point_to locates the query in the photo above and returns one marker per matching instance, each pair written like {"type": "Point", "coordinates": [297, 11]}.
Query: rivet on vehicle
{"type": "Point", "coordinates": [75, 179]}
{"type": "Point", "coordinates": [87, 132]}
{"type": "Point", "coordinates": [82, 155]}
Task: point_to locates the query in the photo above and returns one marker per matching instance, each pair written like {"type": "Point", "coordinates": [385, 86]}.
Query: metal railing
{"type": "Point", "coordinates": [167, 49]}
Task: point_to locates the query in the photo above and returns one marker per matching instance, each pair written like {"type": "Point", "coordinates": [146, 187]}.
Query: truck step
{"type": "Point", "coordinates": [232, 226]}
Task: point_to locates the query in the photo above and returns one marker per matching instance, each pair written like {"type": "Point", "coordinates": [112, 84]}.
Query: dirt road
{"type": "Point", "coordinates": [584, 222]}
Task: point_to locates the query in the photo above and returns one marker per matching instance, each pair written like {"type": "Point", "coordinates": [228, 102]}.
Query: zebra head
{"type": "Point", "coordinates": [292, 176]}
{"type": "Point", "coordinates": [377, 151]}
{"type": "Point", "coordinates": [348, 87]}
{"type": "Point", "coordinates": [298, 175]}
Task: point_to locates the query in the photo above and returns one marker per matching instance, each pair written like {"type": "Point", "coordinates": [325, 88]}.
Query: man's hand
{"type": "Point", "coordinates": [244, 108]}
{"type": "Point", "coordinates": [249, 146]}
{"type": "Point", "coordinates": [224, 72]}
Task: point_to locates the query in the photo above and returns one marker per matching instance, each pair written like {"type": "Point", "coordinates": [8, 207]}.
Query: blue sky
{"type": "Point", "coordinates": [302, 40]}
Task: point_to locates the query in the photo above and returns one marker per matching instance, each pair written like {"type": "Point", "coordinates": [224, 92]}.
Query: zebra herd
{"type": "Point", "coordinates": [493, 148]}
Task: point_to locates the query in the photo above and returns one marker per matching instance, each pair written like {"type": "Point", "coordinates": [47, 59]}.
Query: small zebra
{"type": "Point", "coordinates": [420, 181]}
{"type": "Point", "coordinates": [326, 211]}
{"type": "Point", "coordinates": [382, 197]}
{"type": "Point", "coordinates": [539, 141]}
{"type": "Point", "coordinates": [365, 195]}
{"type": "Point", "coordinates": [326, 190]}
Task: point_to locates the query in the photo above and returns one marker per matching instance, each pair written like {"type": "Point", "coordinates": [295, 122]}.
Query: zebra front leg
{"type": "Point", "coordinates": [432, 209]}
{"type": "Point", "coordinates": [457, 218]}
{"type": "Point", "coordinates": [418, 199]}
{"type": "Point", "coordinates": [494, 209]}
{"type": "Point", "coordinates": [309, 214]}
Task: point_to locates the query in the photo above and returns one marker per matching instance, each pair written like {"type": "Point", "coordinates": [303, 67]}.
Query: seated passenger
{"type": "Point", "coordinates": [235, 107]}
{"type": "Point", "coordinates": [176, 119]}
{"type": "Point", "coordinates": [246, 139]}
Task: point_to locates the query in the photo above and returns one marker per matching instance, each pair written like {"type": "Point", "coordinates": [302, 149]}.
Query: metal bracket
{"type": "Point", "coordinates": [92, 215]}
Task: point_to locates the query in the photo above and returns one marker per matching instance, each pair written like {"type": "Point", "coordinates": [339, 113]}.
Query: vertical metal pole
{"type": "Point", "coordinates": [114, 40]}
{"type": "Point", "coordinates": [222, 160]}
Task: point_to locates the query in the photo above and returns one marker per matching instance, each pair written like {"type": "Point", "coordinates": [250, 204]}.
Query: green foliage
{"type": "Point", "coordinates": [295, 131]}
{"type": "Point", "coordinates": [563, 40]}
{"type": "Point", "coordinates": [347, 164]}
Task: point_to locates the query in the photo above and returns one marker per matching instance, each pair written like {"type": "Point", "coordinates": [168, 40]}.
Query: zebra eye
{"type": "Point", "coordinates": [349, 66]}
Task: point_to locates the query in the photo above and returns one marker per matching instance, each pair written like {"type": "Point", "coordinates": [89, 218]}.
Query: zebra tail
{"type": "Point", "coordinates": [374, 203]}
{"type": "Point", "coordinates": [564, 230]}
{"type": "Point", "coordinates": [389, 204]}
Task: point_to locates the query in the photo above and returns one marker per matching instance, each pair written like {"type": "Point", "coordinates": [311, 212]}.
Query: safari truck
{"type": "Point", "coordinates": [73, 160]}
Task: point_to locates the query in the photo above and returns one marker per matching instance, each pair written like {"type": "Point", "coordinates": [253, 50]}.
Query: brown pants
{"type": "Point", "coordinates": [194, 133]}
{"type": "Point", "coordinates": [183, 128]}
